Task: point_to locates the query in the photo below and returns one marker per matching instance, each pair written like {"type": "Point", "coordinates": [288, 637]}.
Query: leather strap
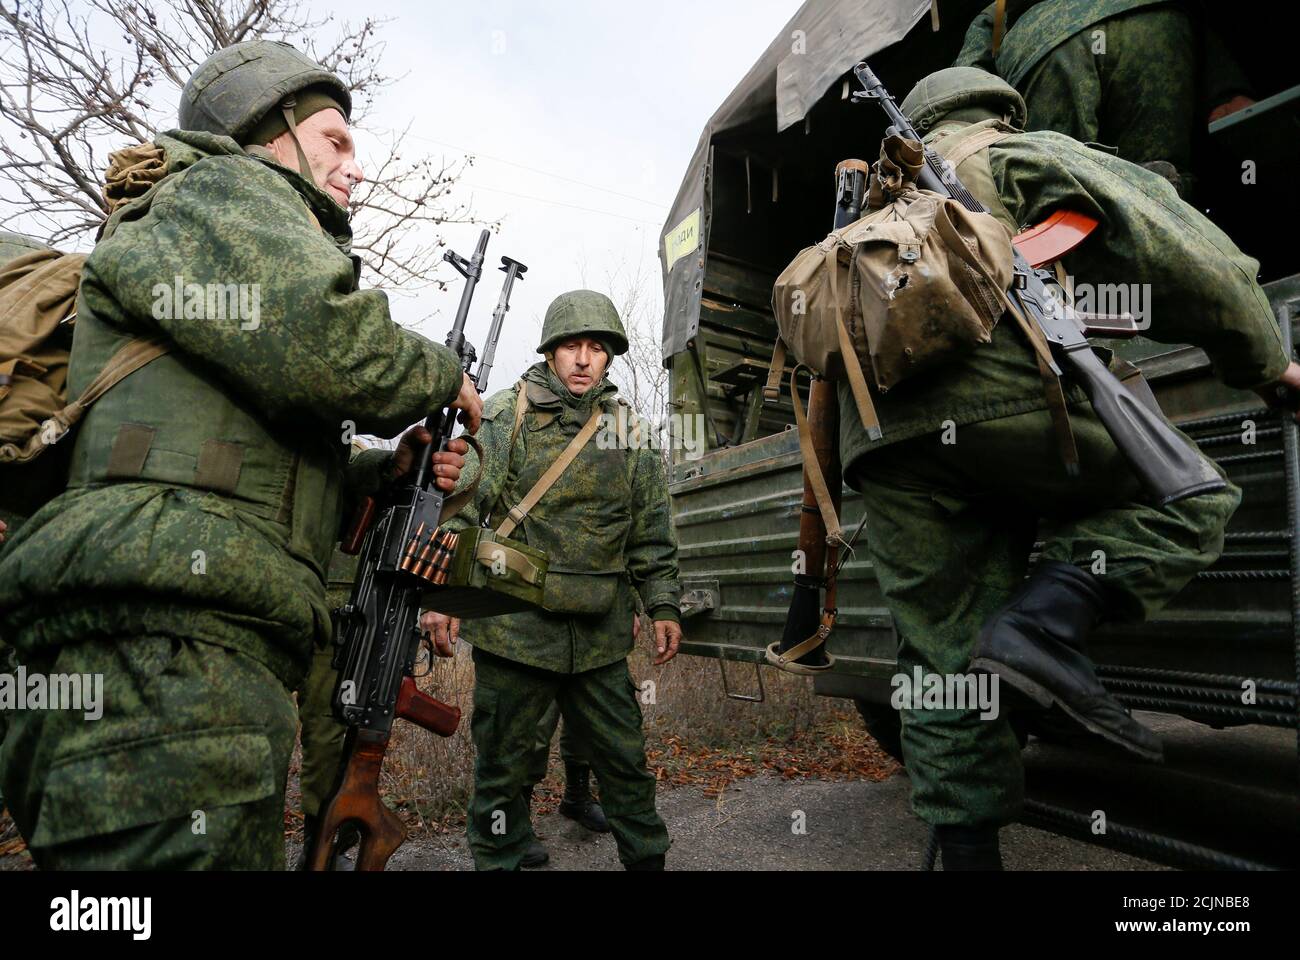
{"type": "Point", "coordinates": [812, 469]}
{"type": "Point", "coordinates": [999, 24]}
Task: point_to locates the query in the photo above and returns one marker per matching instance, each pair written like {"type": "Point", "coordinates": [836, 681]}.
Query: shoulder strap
{"type": "Point", "coordinates": [129, 358]}
{"type": "Point", "coordinates": [960, 146]}
{"type": "Point", "coordinates": [516, 514]}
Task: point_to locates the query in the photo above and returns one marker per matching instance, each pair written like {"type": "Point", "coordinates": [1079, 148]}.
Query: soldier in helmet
{"type": "Point", "coordinates": [606, 528]}
{"type": "Point", "coordinates": [185, 564]}
{"type": "Point", "coordinates": [969, 466]}
{"type": "Point", "coordinates": [1137, 75]}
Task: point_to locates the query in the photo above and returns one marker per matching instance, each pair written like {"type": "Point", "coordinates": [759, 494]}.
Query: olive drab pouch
{"type": "Point", "coordinates": [38, 294]}
{"type": "Point", "coordinates": [916, 282]}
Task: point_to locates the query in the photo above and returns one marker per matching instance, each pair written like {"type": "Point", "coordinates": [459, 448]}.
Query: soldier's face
{"type": "Point", "coordinates": [580, 363]}
{"type": "Point", "coordinates": [330, 151]}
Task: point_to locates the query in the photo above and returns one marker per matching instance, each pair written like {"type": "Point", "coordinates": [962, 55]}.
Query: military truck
{"type": "Point", "coordinates": [760, 187]}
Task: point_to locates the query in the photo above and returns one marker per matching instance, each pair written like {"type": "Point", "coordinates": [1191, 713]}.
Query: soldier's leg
{"type": "Point", "coordinates": [540, 758]}
{"type": "Point", "coordinates": [184, 768]}
{"type": "Point", "coordinates": [509, 701]}
{"type": "Point", "coordinates": [602, 707]}
{"type": "Point", "coordinates": [322, 733]}
{"type": "Point", "coordinates": [945, 562]}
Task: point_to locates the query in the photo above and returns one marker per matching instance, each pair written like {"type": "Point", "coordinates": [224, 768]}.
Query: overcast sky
{"type": "Point", "coordinates": [612, 95]}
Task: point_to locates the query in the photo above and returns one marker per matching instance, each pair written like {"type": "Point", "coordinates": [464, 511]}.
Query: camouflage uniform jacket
{"type": "Point", "coordinates": [181, 535]}
{"type": "Point", "coordinates": [1037, 27]}
{"type": "Point", "coordinates": [1202, 288]}
{"type": "Point", "coordinates": [605, 526]}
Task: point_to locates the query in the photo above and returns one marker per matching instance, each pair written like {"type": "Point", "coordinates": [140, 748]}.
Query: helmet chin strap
{"type": "Point", "coordinates": [286, 108]}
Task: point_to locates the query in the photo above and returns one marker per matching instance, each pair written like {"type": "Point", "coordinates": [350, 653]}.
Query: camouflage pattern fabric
{"type": "Point", "coordinates": [321, 732]}
{"type": "Point", "coordinates": [109, 565]}
{"type": "Point", "coordinates": [1137, 75]}
{"type": "Point", "coordinates": [949, 530]}
{"type": "Point", "coordinates": [601, 706]}
{"type": "Point", "coordinates": [606, 527]}
{"type": "Point", "coordinates": [572, 749]}
{"type": "Point", "coordinates": [185, 769]}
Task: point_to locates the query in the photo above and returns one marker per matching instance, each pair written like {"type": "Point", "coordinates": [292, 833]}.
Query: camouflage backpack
{"type": "Point", "coordinates": [38, 297]}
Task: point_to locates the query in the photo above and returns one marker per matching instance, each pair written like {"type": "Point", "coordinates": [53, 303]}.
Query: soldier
{"type": "Point", "coordinates": [969, 465]}
{"type": "Point", "coordinates": [606, 527]}
{"type": "Point", "coordinates": [185, 563]}
{"type": "Point", "coordinates": [1135, 74]}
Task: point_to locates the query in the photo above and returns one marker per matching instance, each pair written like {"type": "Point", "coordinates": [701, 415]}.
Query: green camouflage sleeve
{"type": "Point", "coordinates": [651, 548]}
{"type": "Point", "coordinates": [1173, 269]}
{"type": "Point", "coordinates": [306, 348]}
{"type": "Point", "coordinates": [367, 472]}
{"type": "Point", "coordinates": [977, 50]}
{"type": "Point", "coordinates": [494, 436]}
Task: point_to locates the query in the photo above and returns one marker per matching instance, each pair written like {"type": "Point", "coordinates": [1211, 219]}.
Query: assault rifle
{"type": "Point", "coordinates": [377, 633]}
{"type": "Point", "coordinates": [1169, 467]}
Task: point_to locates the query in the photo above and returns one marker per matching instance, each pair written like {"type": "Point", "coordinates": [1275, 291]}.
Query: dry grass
{"type": "Point", "coordinates": [694, 735]}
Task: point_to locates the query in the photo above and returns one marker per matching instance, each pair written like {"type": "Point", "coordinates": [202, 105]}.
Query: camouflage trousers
{"type": "Point", "coordinates": [600, 706]}
{"type": "Point", "coordinates": [185, 769]}
{"type": "Point", "coordinates": [1128, 82]}
{"type": "Point", "coordinates": [572, 749]}
{"type": "Point", "coordinates": [949, 530]}
{"type": "Point", "coordinates": [322, 733]}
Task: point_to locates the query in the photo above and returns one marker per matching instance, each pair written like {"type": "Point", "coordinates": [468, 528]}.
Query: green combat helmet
{"type": "Point", "coordinates": [962, 89]}
{"type": "Point", "coordinates": [234, 90]}
{"type": "Point", "coordinates": [579, 313]}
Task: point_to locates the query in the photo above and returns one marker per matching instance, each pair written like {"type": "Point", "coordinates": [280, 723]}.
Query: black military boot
{"type": "Point", "coordinates": [1036, 644]}
{"type": "Point", "coordinates": [536, 855]}
{"type": "Point", "coordinates": [969, 848]}
{"type": "Point", "coordinates": [578, 803]}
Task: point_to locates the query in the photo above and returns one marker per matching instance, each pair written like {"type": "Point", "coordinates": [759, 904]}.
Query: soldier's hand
{"type": "Point", "coordinates": [1285, 393]}
{"type": "Point", "coordinates": [668, 634]}
{"type": "Point", "coordinates": [446, 464]}
{"type": "Point", "coordinates": [636, 625]}
{"type": "Point", "coordinates": [4, 526]}
{"type": "Point", "coordinates": [444, 631]}
{"type": "Point", "coordinates": [470, 405]}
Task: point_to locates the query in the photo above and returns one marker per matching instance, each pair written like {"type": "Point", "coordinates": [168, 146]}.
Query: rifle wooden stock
{"type": "Point", "coordinates": [357, 801]}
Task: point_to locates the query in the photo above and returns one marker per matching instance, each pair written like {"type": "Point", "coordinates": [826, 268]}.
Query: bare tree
{"type": "Point", "coordinates": [77, 83]}
{"type": "Point", "coordinates": [640, 373]}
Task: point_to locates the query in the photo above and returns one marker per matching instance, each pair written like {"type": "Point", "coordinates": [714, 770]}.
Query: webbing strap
{"type": "Point", "coordinates": [519, 511]}
{"type": "Point", "coordinates": [772, 389]}
{"type": "Point", "coordinates": [969, 145]}
{"type": "Point", "coordinates": [127, 360]}
{"type": "Point", "coordinates": [456, 502]}
{"type": "Point", "coordinates": [857, 382]}
{"type": "Point", "coordinates": [490, 552]}
{"type": "Point", "coordinates": [286, 108]}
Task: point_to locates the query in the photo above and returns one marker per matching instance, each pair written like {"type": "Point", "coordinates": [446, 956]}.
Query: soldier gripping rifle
{"type": "Point", "coordinates": [378, 637]}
